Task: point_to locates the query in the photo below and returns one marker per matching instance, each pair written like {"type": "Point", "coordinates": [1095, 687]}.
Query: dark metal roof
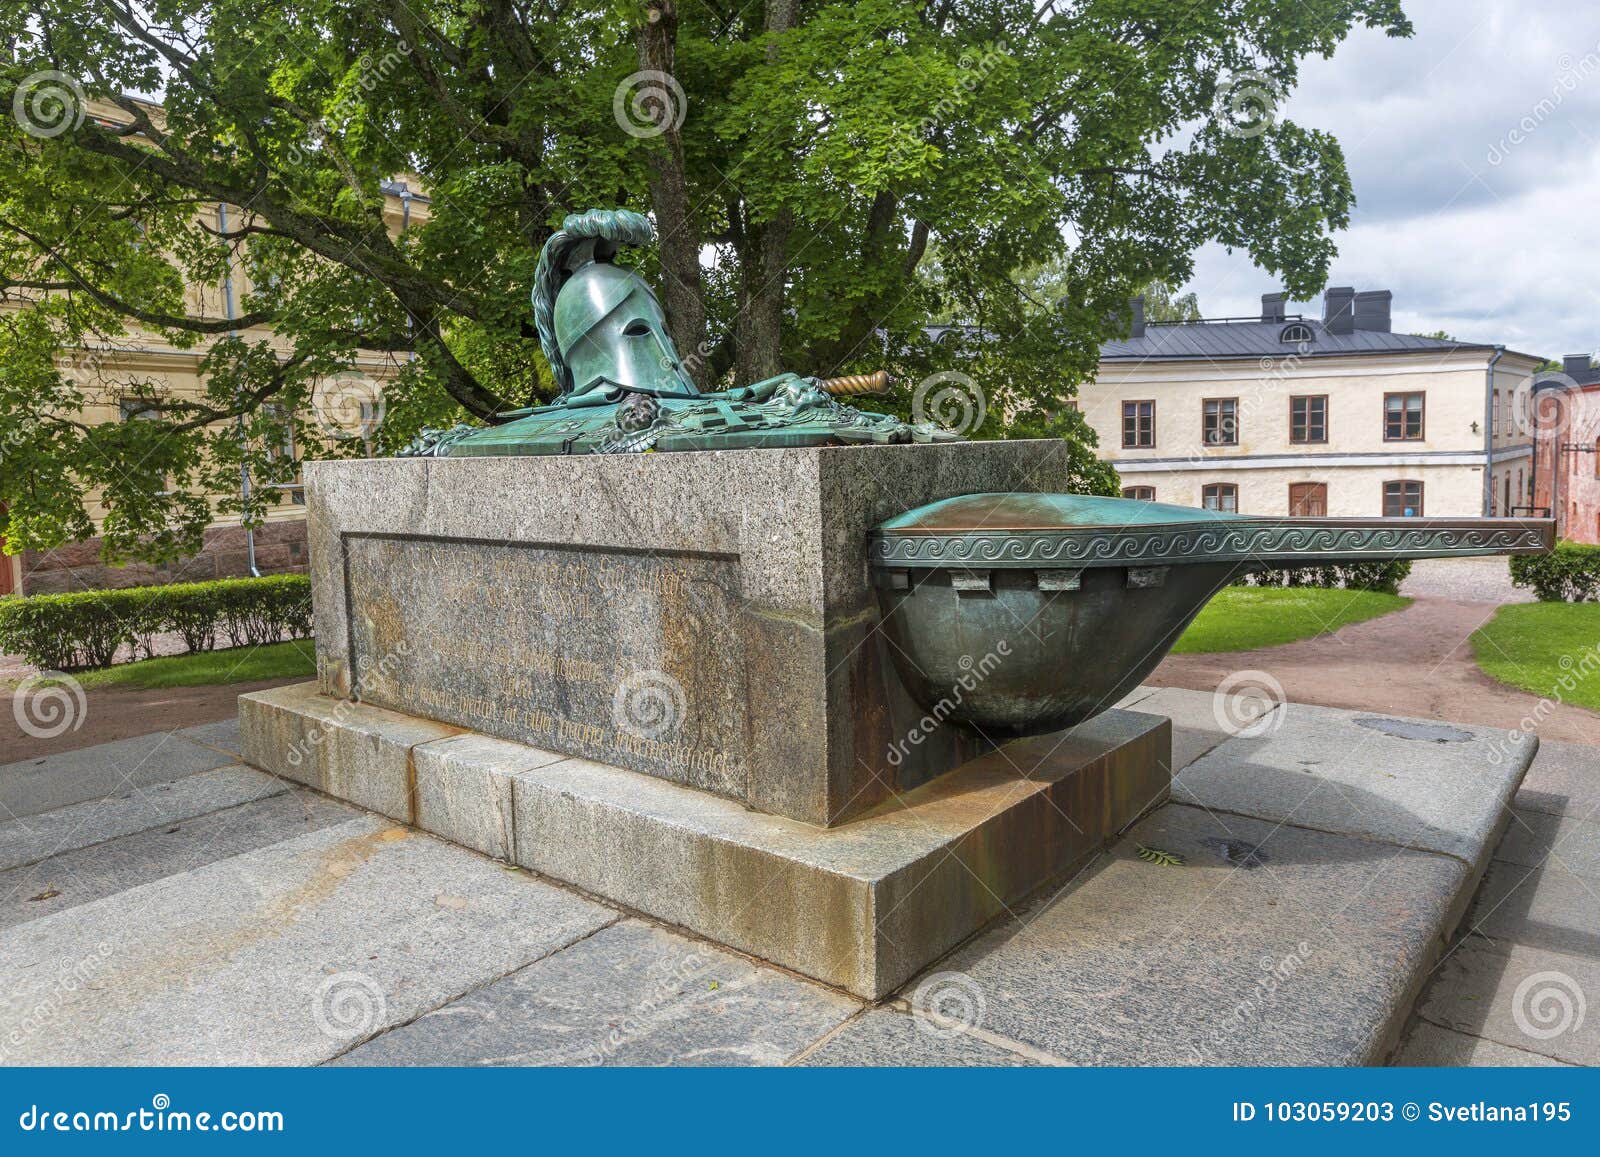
{"type": "Point", "coordinates": [1210, 341]}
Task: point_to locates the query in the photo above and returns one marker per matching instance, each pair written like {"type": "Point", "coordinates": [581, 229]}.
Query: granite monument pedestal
{"type": "Point", "coordinates": [658, 677]}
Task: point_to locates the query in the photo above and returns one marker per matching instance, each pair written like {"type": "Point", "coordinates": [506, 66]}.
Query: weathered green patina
{"type": "Point", "coordinates": [624, 389]}
{"type": "Point", "coordinates": [1023, 613]}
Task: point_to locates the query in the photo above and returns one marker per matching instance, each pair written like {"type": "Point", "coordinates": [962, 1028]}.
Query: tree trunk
{"type": "Point", "coordinates": [764, 261]}
{"type": "Point", "coordinates": [669, 196]}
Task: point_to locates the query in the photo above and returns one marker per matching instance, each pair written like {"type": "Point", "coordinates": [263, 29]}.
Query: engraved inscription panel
{"type": "Point", "coordinates": [631, 658]}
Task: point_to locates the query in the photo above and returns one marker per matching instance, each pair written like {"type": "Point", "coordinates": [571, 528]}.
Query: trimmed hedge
{"type": "Point", "coordinates": [1569, 574]}
{"type": "Point", "coordinates": [84, 629]}
{"type": "Point", "coordinates": [1352, 576]}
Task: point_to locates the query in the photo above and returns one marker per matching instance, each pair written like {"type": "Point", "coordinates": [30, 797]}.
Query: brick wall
{"type": "Point", "coordinates": [280, 549]}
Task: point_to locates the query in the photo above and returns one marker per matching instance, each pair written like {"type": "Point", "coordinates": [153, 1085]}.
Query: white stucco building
{"type": "Point", "coordinates": [1334, 415]}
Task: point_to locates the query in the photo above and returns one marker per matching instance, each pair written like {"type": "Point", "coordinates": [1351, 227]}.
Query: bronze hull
{"type": "Point", "coordinates": [1019, 614]}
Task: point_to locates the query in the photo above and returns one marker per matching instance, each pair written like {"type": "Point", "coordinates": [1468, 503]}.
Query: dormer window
{"type": "Point", "coordinates": [1296, 333]}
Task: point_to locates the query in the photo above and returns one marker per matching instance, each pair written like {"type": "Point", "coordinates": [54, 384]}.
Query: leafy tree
{"type": "Point", "coordinates": [1162, 303]}
{"type": "Point", "coordinates": [801, 158]}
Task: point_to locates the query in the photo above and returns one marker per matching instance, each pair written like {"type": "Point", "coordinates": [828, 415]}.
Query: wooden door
{"type": "Point", "coordinates": [1308, 499]}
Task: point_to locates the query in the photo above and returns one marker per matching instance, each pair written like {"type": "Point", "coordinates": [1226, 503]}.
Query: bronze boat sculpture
{"type": "Point", "coordinates": [1082, 596]}
{"type": "Point", "coordinates": [1078, 596]}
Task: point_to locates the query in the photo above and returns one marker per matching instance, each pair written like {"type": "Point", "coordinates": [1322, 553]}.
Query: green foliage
{"type": "Point", "coordinates": [824, 151]}
{"type": "Point", "coordinates": [285, 660]}
{"type": "Point", "coordinates": [84, 629]}
{"type": "Point", "coordinates": [1548, 649]}
{"type": "Point", "coordinates": [1569, 574]}
{"type": "Point", "coordinates": [1160, 857]}
{"type": "Point", "coordinates": [1248, 618]}
{"type": "Point", "coordinates": [1352, 576]}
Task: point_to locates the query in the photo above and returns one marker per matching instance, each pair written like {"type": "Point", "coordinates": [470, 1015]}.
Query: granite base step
{"type": "Point", "coordinates": [1285, 908]}
{"type": "Point", "coordinates": [863, 906]}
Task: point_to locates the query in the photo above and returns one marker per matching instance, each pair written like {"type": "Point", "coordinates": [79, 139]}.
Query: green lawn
{"type": "Point", "coordinates": [1546, 648]}
{"type": "Point", "coordinates": [1244, 618]}
{"type": "Point", "coordinates": [239, 665]}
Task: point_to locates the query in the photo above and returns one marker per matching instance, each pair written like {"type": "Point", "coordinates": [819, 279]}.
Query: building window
{"type": "Point", "coordinates": [1308, 419]}
{"type": "Point", "coordinates": [1219, 423]}
{"type": "Point", "coordinates": [142, 409]}
{"type": "Point", "coordinates": [1140, 493]}
{"type": "Point", "coordinates": [1402, 417]}
{"type": "Point", "coordinates": [1296, 333]}
{"type": "Point", "coordinates": [1402, 500]}
{"type": "Point", "coordinates": [1308, 499]}
{"type": "Point", "coordinates": [1138, 425]}
{"type": "Point", "coordinates": [1223, 496]}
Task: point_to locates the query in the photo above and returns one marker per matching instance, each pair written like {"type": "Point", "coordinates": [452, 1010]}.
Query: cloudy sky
{"type": "Point", "coordinates": [1474, 147]}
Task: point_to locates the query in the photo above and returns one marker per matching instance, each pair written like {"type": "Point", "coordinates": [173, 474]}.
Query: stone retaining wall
{"type": "Point", "coordinates": [280, 549]}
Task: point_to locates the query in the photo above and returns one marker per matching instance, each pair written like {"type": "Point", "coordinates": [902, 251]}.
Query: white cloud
{"type": "Point", "coordinates": [1474, 148]}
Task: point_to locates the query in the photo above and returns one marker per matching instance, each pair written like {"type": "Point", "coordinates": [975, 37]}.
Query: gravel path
{"type": "Point", "coordinates": [1415, 662]}
{"type": "Point", "coordinates": [1464, 580]}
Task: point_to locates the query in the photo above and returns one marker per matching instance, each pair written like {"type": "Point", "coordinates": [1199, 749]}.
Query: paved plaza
{"type": "Point", "coordinates": [160, 903]}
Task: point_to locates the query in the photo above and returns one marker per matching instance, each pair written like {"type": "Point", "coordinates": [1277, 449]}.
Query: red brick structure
{"type": "Point", "coordinates": [280, 548]}
{"type": "Point", "coordinates": [1567, 450]}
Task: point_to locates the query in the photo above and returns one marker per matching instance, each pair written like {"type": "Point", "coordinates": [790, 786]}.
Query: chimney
{"type": "Point", "coordinates": [1136, 304]}
{"type": "Point", "coordinates": [1372, 310]}
{"type": "Point", "coordinates": [1272, 306]}
{"type": "Point", "coordinates": [1338, 310]}
{"type": "Point", "coordinates": [1575, 365]}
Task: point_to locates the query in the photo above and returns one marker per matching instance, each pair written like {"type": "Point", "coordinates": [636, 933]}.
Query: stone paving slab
{"type": "Point", "coordinates": [1564, 780]}
{"type": "Point", "coordinates": [23, 841]}
{"type": "Point", "coordinates": [1549, 908]}
{"type": "Point", "coordinates": [223, 734]}
{"type": "Point", "coordinates": [286, 955]}
{"type": "Point", "coordinates": [77, 877]}
{"type": "Point", "coordinates": [1526, 998]}
{"type": "Point", "coordinates": [1434, 1047]}
{"type": "Point", "coordinates": [1219, 963]}
{"type": "Point", "coordinates": [889, 1037]}
{"type": "Point", "coordinates": [30, 787]}
{"type": "Point", "coordinates": [1438, 787]}
{"type": "Point", "coordinates": [1536, 838]}
{"type": "Point", "coordinates": [1195, 727]}
{"type": "Point", "coordinates": [631, 994]}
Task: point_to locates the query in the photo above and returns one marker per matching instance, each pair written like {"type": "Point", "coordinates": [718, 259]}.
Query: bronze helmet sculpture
{"type": "Point", "coordinates": [600, 326]}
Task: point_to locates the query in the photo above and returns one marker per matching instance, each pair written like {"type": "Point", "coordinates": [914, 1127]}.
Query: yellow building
{"type": "Point", "coordinates": [1333, 415]}
{"type": "Point", "coordinates": [103, 374]}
